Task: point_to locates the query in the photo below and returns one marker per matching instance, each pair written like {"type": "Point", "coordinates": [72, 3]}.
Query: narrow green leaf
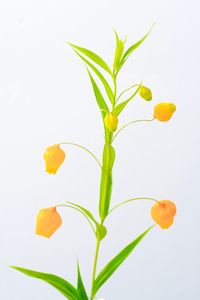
{"type": "Point", "coordinates": [86, 211]}
{"type": "Point", "coordinates": [118, 109]}
{"type": "Point", "coordinates": [93, 56]}
{"type": "Point", "coordinates": [130, 50]}
{"type": "Point", "coordinates": [99, 98]}
{"type": "Point", "coordinates": [101, 77]}
{"type": "Point", "coordinates": [119, 49]}
{"type": "Point", "coordinates": [106, 180]}
{"type": "Point", "coordinates": [101, 102]}
{"type": "Point", "coordinates": [63, 286]}
{"type": "Point", "coordinates": [113, 265]}
{"type": "Point", "coordinates": [80, 286]}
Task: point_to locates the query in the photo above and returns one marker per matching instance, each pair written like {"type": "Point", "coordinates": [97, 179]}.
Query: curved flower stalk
{"type": "Point", "coordinates": [104, 83]}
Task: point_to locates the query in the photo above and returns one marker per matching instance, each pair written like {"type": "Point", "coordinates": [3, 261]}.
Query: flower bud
{"type": "Point", "coordinates": [54, 157]}
{"type": "Point", "coordinates": [164, 111]}
{"type": "Point", "coordinates": [163, 213]}
{"type": "Point", "coordinates": [145, 93]}
{"type": "Point", "coordinates": [48, 221]}
{"type": "Point", "coordinates": [111, 121]}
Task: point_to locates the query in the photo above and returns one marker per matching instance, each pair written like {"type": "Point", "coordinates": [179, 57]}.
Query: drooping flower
{"type": "Point", "coordinates": [163, 111]}
{"type": "Point", "coordinates": [111, 121]}
{"type": "Point", "coordinates": [145, 93]}
{"type": "Point", "coordinates": [48, 221]}
{"type": "Point", "coordinates": [163, 213]}
{"type": "Point", "coordinates": [54, 157]}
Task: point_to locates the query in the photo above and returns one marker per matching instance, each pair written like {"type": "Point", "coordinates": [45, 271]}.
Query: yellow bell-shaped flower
{"type": "Point", "coordinates": [54, 157]}
{"type": "Point", "coordinates": [164, 111]}
{"type": "Point", "coordinates": [145, 93]}
{"type": "Point", "coordinates": [163, 213]}
{"type": "Point", "coordinates": [48, 221]}
{"type": "Point", "coordinates": [111, 121]}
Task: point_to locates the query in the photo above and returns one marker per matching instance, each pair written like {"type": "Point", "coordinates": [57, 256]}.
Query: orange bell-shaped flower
{"type": "Point", "coordinates": [54, 157]}
{"type": "Point", "coordinates": [48, 221]}
{"type": "Point", "coordinates": [163, 213]}
{"type": "Point", "coordinates": [164, 111]}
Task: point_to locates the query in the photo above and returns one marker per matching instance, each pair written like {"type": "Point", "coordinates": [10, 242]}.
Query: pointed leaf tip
{"type": "Point", "coordinates": [80, 286]}
{"type": "Point", "coordinates": [114, 263]}
{"type": "Point", "coordinates": [93, 56]}
{"type": "Point", "coordinates": [63, 286]}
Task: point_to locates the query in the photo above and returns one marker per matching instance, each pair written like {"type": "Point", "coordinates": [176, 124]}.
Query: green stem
{"type": "Point", "coordinates": [108, 159]}
{"type": "Point", "coordinates": [79, 146]}
{"type": "Point", "coordinates": [106, 182]}
{"type": "Point", "coordinates": [131, 200]}
{"type": "Point", "coordinates": [130, 123]}
{"type": "Point", "coordinates": [126, 90]}
{"type": "Point", "coordinates": [105, 186]}
{"type": "Point", "coordinates": [95, 267]}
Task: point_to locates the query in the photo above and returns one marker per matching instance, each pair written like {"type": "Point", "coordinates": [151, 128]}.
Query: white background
{"type": "Point", "coordinates": [46, 98]}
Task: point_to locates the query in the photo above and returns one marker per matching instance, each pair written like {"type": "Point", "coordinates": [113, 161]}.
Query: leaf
{"type": "Point", "coordinates": [93, 56]}
{"type": "Point", "coordinates": [101, 102]}
{"type": "Point", "coordinates": [130, 50]}
{"type": "Point", "coordinates": [86, 211]}
{"type": "Point", "coordinates": [80, 286]}
{"type": "Point", "coordinates": [118, 109]}
{"type": "Point", "coordinates": [63, 286]}
{"type": "Point", "coordinates": [112, 266]}
{"type": "Point", "coordinates": [119, 49]}
{"type": "Point", "coordinates": [106, 180]}
{"type": "Point", "coordinates": [99, 98]}
{"type": "Point", "coordinates": [101, 77]}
